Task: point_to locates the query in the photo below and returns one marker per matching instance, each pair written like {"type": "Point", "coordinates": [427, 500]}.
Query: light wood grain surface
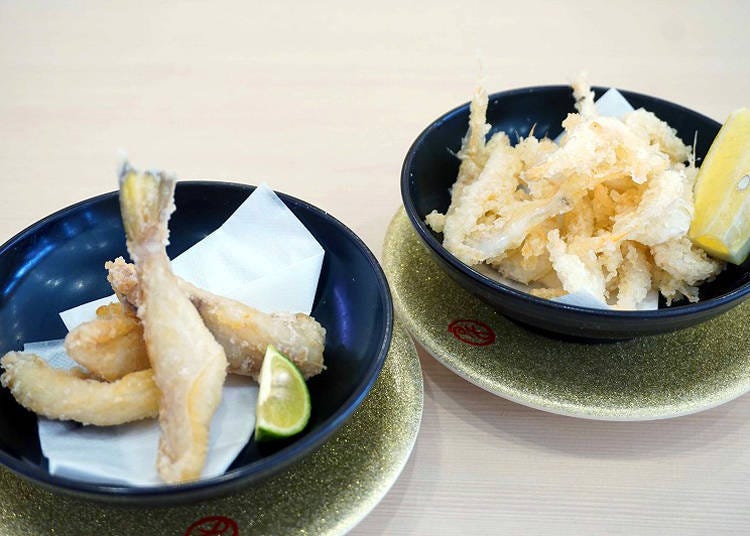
{"type": "Point", "coordinates": [321, 100]}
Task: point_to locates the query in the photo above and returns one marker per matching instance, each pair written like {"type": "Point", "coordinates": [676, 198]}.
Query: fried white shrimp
{"type": "Point", "coordinates": [583, 96]}
{"type": "Point", "coordinates": [111, 345]}
{"type": "Point", "coordinates": [481, 203]}
{"type": "Point", "coordinates": [243, 332]}
{"type": "Point", "coordinates": [659, 133]}
{"type": "Point", "coordinates": [664, 212]}
{"type": "Point", "coordinates": [617, 192]}
{"type": "Point", "coordinates": [473, 156]}
{"type": "Point", "coordinates": [682, 267]}
{"type": "Point", "coordinates": [189, 366]}
{"type": "Point", "coordinates": [575, 273]}
{"type": "Point", "coordinates": [472, 152]}
{"type": "Point", "coordinates": [69, 395]}
{"type": "Point", "coordinates": [634, 282]}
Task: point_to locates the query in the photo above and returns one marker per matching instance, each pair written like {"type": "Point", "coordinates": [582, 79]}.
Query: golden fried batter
{"type": "Point", "coordinates": [243, 332]}
{"type": "Point", "coordinates": [109, 346]}
{"type": "Point", "coordinates": [189, 366]}
{"type": "Point", "coordinates": [606, 211]}
{"type": "Point", "coordinates": [69, 395]}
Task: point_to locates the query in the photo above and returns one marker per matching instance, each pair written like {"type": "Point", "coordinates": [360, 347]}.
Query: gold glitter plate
{"type": "Point", "coordinates": [326, 493]}
{"type": "Point", "coordinates": [641, 379]}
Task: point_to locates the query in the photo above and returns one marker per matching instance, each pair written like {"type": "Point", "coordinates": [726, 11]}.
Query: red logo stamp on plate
{"type": "Point", "coordinates": [472, 332]}
{"type": "Point", "coordinates": [213, 526]}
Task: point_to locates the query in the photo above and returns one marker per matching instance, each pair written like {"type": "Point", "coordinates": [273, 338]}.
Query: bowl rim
{"type": "Point", "coordinates": [551, 306]}
{"type": "Point", "coordinates": [259, 469]}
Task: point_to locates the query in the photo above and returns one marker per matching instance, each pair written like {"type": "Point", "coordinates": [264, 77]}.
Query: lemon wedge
{"type": "Point", "coordinates": [721, 224]}
{"type": "Point", "coordinates": [283, 408]}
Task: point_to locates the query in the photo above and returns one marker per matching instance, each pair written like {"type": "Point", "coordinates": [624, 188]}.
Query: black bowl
{"type": "Point", "coordinates": [58, 262]}
{"type": "Point", "coordinates": [430, 169]}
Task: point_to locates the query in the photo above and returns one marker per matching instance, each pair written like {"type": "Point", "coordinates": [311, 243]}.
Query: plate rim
{"type": "Point", "coordinates": [399, 324]}
{"type": "Point", "coordinates": [352, 508]}
{"type": "Point", "coordinates": [563, 409]}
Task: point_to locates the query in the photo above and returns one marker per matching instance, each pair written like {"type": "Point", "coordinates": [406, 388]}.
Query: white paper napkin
{"type": "Point", "coordinates": [126, 454]}
{"type": "Point", "coordinates": [262, 256]}
{"type": "Point", "coordinates": [613, 104]}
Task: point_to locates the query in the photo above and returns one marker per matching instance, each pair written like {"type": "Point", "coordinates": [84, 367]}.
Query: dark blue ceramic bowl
{"type": "Point", "coordinates": [430, 169]}
{"type": "Point", "coordinates": [58, 263]}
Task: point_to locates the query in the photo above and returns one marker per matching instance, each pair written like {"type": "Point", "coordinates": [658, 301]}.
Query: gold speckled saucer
{"type": "Point", "coordinates": [328, 492]}
{"type": "Point", "coordinates": [645, 378]}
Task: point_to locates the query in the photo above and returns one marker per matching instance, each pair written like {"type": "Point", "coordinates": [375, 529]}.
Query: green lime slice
{"type": "Point", "coordinates": [283, 399]}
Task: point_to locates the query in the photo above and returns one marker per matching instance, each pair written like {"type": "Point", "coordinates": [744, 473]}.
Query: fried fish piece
{"type": "Point", "coordinates": [189, 366]}
{"type": "Point", "coordinates": [111, 345]}
{"type": "Point", "coordinates": [70, 395]}
{"type": "Point", "coordinates": [243, 332]}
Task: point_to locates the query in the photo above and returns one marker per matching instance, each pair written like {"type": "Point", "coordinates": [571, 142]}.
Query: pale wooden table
{"type": "Point", "coordinates": [322, 101]}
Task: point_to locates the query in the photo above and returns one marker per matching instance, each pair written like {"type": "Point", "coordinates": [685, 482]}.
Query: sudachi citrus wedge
{"type": "Point", "coordinates": [721, 224]}
{"type": "Point", "coordinates": [283, 408]}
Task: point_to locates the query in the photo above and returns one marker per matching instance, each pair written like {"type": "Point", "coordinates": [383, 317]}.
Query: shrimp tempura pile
{"type": "Point", "coordinates": [606, 211]}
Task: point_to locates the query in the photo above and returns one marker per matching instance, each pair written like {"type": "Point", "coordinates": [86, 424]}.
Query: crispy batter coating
{"type": "Point", "coordinates": [70, 395]}
{"type": "Point", "coordinates": [188, 365]}
{"type": "Point", "coordinates": [606, 211]}
{"type": "Point", "coordinates": [243, 332]}
{"type": "Point", "coordinates": [111, 345]}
